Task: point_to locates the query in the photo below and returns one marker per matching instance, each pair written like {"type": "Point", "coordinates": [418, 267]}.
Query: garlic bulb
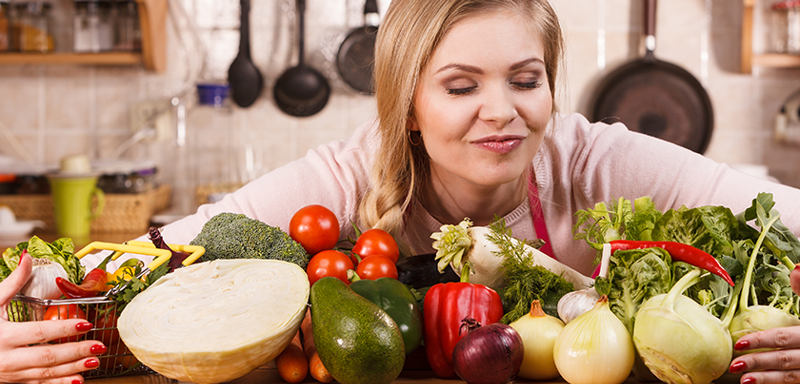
{"type": "Point", "coordinates": [42, 283]}
{"type": "Point", "coordinates": [594, 348]}
{"type": "Point", "coordinates": [575, 303]}
{"type": "Point", "coordinates": [539, 332]}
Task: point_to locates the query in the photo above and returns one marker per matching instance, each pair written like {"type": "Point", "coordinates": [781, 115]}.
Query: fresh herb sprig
{"type": "Point", "coordinates": [525, 281]}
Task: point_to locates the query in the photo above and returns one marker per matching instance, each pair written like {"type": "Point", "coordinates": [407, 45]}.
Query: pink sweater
{"type": "Point", "coordinates": [578, 165]}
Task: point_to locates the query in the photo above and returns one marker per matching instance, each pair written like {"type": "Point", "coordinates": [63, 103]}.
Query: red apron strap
{"type": "Point", "coordinates": [538, 216]}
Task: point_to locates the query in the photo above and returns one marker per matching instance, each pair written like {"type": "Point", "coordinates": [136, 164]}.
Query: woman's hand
{"type": "Point", "coordinates": [45, 363]}
{"type": "Point", "coordinates": [781, 365]}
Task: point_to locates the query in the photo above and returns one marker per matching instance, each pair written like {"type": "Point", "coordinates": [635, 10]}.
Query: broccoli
{"type": "Point", "coordinates": [236, 236]}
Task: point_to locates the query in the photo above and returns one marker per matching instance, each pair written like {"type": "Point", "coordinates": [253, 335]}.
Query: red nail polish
{"type": "Point", "coordinates": [748, 380]}
{"type": "Point", "coordinates": [741, 345]}
{"type": "Point", "coordinates": [76, 381]}
{"type": "Point", "coordinates": [98, 349]}
{"type": "Point", "coordinates": [92, 363]}
{"type": "Point", "coordinates": [737, 366]}
{"type": "Point", "coordinates": [84, 327]}
{"type": "Point", "coordinates": [797, 266]}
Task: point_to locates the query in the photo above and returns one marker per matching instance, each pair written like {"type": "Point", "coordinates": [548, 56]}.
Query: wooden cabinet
{"type": "Point", "coordinates": [770, 60]}
{"type": "Point", "coordinates": [152, 18]}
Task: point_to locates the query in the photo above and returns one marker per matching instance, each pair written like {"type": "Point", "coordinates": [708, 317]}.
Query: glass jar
{"type": "Point", "coordinates": [5, 25]}
{"type": "Point", "coordinates": [34, 27]}
{"type": "Point", "coordinates": [213, 143]}
{"type": "Point", "coordinates": [127, 34]}
{"type": "Point", "coordinates": [785, 33]}
{"type": "Point", "coordinates": [92, 26]}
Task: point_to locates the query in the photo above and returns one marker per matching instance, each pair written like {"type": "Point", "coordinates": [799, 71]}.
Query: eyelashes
{"type": "Point", "coordinates": [520, 85]}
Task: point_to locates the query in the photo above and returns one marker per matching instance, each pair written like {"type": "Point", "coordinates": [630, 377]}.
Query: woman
{"type": "Point", "coordinates": [467, 127]}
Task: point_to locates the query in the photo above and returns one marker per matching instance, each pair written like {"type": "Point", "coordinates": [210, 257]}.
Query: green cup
{"type": "Point", "coordinates": [73, 205]}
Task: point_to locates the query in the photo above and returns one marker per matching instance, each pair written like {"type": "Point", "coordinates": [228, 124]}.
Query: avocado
{"type": "Point", "coordinates": [356, 340]}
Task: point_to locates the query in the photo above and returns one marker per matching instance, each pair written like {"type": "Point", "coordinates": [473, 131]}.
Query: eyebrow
{"type": "Point", "coordinates": [476, 70]}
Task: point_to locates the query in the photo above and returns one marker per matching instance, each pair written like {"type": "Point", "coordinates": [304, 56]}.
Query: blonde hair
{"type": "Point", "coordinates": [407, 37]}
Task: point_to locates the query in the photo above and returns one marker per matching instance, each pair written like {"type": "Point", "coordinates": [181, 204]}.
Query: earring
{"type": "Point", "coordinates": [411, 138]}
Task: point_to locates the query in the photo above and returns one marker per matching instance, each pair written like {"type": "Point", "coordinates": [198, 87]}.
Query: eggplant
{"type": "Point", "coordinates": [421, 271]}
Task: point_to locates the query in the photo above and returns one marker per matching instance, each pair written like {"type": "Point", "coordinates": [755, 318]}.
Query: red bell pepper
{"type": "Point", "coordinates": [93, 283]}
{"type": "Point", "coordinates": [445, 306]}
{"type": "Point", "coordinates": [679, 252]}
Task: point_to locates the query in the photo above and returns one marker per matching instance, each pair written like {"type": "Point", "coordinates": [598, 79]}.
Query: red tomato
{"type": "Point", "coordinates": [105, 323]}
{"type": "Point", "coordinates": [377, 242]}
{"type": "Point", "coordinates": [315, 228]}
{"type": "Point", "coordinates": [329, 263]}
{"type": "Point", "coordinates": [63, 312]}
{"type": "Point", "coordinates": [375, 267]}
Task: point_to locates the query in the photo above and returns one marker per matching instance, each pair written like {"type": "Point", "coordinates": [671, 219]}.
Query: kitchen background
{"type": "Point", "coordinates": [51, 111]}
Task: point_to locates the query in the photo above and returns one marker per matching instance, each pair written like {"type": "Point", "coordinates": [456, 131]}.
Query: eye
{"type": "Point", "coordinates": [526, 85]}
{"type": "Point", "coordinates": [461, 91]}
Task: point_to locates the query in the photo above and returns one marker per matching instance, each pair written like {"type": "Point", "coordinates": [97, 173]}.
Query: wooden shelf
{"type": "Point", "coordinates": [152, 18]}
{"type": "Point", "coordinates": [109, 58]}
{"type": "Point", "coordinates": [777, 60]}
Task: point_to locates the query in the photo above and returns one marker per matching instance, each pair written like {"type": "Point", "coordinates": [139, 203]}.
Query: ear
{"type": "Point", "coordinates": [411, 123]}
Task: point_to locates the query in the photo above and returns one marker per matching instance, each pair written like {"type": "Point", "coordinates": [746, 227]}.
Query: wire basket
{"type": "Point", "coordinates": [101, 312]}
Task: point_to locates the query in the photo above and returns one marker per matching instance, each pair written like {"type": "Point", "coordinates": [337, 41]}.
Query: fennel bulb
{"type": "Point", "coordinates": [678, 340]}
{"type": "Point", "coordinates": [213, 322]}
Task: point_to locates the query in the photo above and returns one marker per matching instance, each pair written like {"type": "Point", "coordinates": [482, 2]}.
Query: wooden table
{"type": "Point", "coordinates": [268, 375]}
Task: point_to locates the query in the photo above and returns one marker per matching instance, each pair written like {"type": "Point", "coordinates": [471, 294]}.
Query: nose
{"type": "Point", "coordinates": [498, 106]}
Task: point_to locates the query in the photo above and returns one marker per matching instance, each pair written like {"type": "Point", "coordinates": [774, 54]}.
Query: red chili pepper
{"type": "Point", "coordinates": [446, 305]}
{"type": "Point", "coordinates": [93, 283]}
{"type": "Point", "coordinates": [679, 252]}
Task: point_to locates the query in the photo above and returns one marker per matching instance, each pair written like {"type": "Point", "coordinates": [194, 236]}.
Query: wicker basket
{"type": "Point", "coordinates": [122, 212]}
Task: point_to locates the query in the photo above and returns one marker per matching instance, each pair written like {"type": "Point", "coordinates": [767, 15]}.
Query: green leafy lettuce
{"type": "Point", "coordinates": [61, 251]}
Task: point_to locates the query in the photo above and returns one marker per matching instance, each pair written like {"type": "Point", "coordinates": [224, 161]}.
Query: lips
{"type": "Point", "coordinates": [499, 144]}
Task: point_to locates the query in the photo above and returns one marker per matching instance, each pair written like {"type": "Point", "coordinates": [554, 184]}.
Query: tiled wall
{"type": "Point", "coordinates": [59, 110]}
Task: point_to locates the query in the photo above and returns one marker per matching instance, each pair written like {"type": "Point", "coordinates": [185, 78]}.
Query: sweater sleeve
{"type": "Point", "coordinates": [631, 164]}
{"type": "Point", "coordinates": [581, 164]}
{"type": "Point", "coordinates": [334, 175]}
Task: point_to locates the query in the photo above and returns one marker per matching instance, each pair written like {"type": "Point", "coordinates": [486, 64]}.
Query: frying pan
{"type": "Point", "coordinates": [356, 54]}
{"type": "Point", "coordinates": [655, 97]}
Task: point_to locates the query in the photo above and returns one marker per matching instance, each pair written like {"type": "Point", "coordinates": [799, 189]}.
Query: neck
{"type": "Point", "coordinates": [450, 204]}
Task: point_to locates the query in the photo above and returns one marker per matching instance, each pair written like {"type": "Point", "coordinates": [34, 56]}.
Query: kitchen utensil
{"type": "Point", "coordinates": [301, 91]}
{"type": "Point", "coordinates": [356, 56]}
{"type": "Point", "coordinates": [244, 78]}
{"type": "Point", "coordinates": [656, 97]}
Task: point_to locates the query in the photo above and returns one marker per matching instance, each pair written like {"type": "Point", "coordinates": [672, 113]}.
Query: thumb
{"type": "Point", "coordinates": [794, 279]}
{"type": "Point", "coordinates": [14, 282]}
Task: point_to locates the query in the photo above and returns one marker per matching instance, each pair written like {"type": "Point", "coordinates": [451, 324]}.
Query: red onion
{"type": "Point", "coordinates": [491, 354]}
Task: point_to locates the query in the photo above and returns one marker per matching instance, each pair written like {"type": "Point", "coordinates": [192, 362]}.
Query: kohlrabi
{"type": "Point", "coordinates": [759, 317]}
{"type": "Point", "coordinates": [679, 340]}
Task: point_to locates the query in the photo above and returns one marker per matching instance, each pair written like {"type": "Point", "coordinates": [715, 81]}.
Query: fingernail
{"type": "Point", "coordinates": [98, 349]}
{"type": "Point", "coordinates": [92, 363]}
{"type": "Point", "coordinates": [797, 266]}
{"type": "Point", "coordinates": [737, 366]}
{"type": "Point", "coordinates": [748, 380]}
{"type": "Point", "coordinates": [741, 345]}
{"type": "Point", "coordinates": [76, 381]}
{"type": "Point", "coordinates": [84, 327]}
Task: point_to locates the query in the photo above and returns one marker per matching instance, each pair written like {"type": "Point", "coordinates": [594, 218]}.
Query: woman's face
{"type": "Point", "coordinates": [483, 102]}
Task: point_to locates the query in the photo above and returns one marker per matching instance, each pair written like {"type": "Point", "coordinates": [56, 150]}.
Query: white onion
{"type": "Point", "coordinates": [594, 348]}
{"type": "Point", "coordinates": [216, 321]}
{"type": "Point", "coordinates": [539, 332]}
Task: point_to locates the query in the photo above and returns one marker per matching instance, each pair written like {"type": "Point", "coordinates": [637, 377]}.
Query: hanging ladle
{"type": "Point", "coordinates": [301, 91]}
{"type": "Point", "coordinates": [244, 78]}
